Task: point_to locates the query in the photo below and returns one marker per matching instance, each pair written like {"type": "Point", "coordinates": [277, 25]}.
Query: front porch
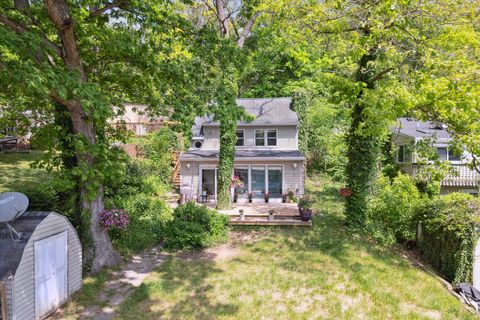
{"type": "Point", "coordinates": [286, 214]}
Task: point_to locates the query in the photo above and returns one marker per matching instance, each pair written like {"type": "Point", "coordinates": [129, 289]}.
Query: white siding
{"type": "Point", "coordinates": [293, 178]}
{"type": "Point", "coordinates": [24, 282]}
{"type": "Point", "coordinates": [286, 138]}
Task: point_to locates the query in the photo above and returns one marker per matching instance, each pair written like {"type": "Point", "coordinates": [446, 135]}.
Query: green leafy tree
{"type": "Point", "coordinates": [87, 57]}
{"type": "Point", "coordinates": [234, 21]}
{"type": "Point", "coordinates": [381, 60]}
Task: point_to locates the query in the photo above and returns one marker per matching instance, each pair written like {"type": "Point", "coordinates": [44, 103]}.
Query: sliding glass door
{"type": "Point", "coordinates": [258, 182]}
{"type": "Point", "coordinates": [275, 182]}
{"type": "Point", "coordinates": [241, 187]}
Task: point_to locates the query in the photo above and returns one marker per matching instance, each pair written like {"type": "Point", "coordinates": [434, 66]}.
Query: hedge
{"type": "Point", "coordinates": [449, 234]}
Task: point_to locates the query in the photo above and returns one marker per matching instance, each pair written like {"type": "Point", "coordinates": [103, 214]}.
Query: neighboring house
{"type": "Point", "coordinates": [267, 159]}
{"type": "Point", "coordinates": [137, 120]}
{"type": "Point", "coordinates": [408, 132]}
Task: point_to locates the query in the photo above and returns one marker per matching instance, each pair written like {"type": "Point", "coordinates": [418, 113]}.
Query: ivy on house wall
{"type": "Point", "coordinates": [227, 113]}
{"type": "Point", "coordinates": [301, 102]}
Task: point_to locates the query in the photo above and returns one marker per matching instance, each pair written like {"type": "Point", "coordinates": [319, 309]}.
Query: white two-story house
{"type": "Point", "coordinates": [267, 159]}
{"type": "Point", "coordinates": [408, 132]}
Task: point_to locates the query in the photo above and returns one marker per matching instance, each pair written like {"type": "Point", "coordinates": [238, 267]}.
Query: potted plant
{"type": "Point", "coordinates": [266, 197]}
{"type": "Point", "coordinates": [305, 209]}
{"type": "Point", "coordinates": [242, 214]}
{"type": "Point", "coordinates": [250, 197]}
{"type": "Point", "coordinates": [271, 215]}
{"type": "Point", "coordinates": [291, 196]}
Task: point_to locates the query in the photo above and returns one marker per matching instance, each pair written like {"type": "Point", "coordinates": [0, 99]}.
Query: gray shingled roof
{"type": "Point", "coordinates": [274, 111]}
{"type": "Point", "coordinates": [244, 155]}
{"type": "Point", "coordinates": [11, 253]}
{"type": "Point", "coordinates": [420, 129]}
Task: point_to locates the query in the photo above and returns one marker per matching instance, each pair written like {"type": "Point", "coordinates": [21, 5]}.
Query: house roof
{"type": "Point", "coordinates": [197, 155]}
{"type": "Point", "coordinates": [420, 129]}
{"type": "Point", "coordinates": [10, 251]}
{"type": "Point", "coordinates": [267, 111]}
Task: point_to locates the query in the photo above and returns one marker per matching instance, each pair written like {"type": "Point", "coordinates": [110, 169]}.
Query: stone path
{"type": "Point", "coordinates": [121, 285]}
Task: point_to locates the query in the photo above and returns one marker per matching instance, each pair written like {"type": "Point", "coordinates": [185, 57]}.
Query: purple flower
{"type": "Point", "coordinates": [116, 218]}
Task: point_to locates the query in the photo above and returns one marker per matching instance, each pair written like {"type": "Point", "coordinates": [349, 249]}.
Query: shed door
{"type": "Point", "coordinates": [50, 273]}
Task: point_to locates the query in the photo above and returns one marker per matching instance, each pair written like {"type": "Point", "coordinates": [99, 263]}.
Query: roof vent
{"type": "Point", "coordinates": [12, 206]}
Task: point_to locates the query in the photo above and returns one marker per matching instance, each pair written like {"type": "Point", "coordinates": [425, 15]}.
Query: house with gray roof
{"type": "Point", "coordinates": [268, 164]}
{"type": "Point", "coordinates": [408, 132]}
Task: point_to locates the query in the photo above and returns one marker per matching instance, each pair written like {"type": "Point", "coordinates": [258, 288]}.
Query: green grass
{"type": "Point", "coordinates": [15, 171]}
{"type": "Point", "coordinates": [291, 273]}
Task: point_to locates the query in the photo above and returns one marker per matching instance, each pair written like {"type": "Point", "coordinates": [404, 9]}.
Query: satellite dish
{"type": "Point", "coordinates": [12, 205]}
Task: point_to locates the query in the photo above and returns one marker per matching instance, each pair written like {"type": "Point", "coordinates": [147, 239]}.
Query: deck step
{"type": "Point", "coordinates": [283, 222]}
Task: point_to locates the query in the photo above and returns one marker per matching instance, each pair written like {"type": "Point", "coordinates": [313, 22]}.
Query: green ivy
{"type": "Point", "coordinates": [301, 102]}
{"type": "Point", "coordinates": [450, 234]}
{"type": "Point", "coordinates": [227, 113]}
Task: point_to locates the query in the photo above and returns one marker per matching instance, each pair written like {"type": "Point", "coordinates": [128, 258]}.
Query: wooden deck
{"type": "Point", "coordinates": [256, 214]}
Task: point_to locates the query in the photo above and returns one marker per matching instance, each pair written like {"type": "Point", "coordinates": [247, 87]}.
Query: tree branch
{"type": "Point", "coordinates": [20, 29]}
{"type": "Point", "coordinates": [379, 75]}
{"type": "Point", "coordinates": [247, 29]}
{"type": "Point", "coordinates": [109, 6]}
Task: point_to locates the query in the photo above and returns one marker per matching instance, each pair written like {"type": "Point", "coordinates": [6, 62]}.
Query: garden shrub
{"type": "Point", "coordinates": [147, 215]}
{"type": "Point", "coordinates": [391, 209]}
{"type": "Point", "coordinates": [195, 227]}
{"type": "Point", "coordinates": [449, 234]}
{"type": "Point", "coordinates": [158, 149]}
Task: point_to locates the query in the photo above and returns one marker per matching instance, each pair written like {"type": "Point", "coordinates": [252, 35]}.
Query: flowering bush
{"type": "Point", "coordinates": [345, 192]}
{"type": "Point", "coordinates": [114, 218]}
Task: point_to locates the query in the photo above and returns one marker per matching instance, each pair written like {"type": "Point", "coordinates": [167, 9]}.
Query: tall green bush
{"type": "Point", "coordinates": [392, 208]}
{"type": "Point", "coordinates": [159, 148]}
{"type": "Point", "coordinates": [450, 234]}
{"type": "Point", "coordinates": [195, 227]}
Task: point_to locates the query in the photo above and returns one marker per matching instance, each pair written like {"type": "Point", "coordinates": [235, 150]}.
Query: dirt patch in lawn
{"type": "Point", "coordinates": [227, 250]}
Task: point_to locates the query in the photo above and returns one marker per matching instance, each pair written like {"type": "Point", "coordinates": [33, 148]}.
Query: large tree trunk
{"type": "Point", "coordinates": [100, 253]}
{"type": "Point", "coordinates": [363, 148]}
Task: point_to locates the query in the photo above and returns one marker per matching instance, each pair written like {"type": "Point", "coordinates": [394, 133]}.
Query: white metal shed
{"type": "Point", "coordinates": [39, 272]}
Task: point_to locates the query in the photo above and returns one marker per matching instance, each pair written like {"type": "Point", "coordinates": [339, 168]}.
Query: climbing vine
{"type": "Point", "coordinates": [301, 102]}
{"type": "Point", "coordinates": [449, 235]}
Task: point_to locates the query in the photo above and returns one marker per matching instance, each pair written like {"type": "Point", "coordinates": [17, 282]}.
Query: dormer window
{"type": "Point", "coordinates": [240, 138]}
{"type": "Point", "coordinates": [265, 137]}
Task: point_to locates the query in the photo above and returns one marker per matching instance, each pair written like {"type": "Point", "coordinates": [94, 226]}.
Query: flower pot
{"type": "Point", "coordinates": [242, 217]}
{"type": "Point", "coordinates": [306, 214]}
{"type": "Point", "coordinates": [271, 217]}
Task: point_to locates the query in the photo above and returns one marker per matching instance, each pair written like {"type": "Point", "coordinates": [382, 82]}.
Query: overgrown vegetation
{"type": "Point", "coordinates": [391, 209]}
{"type": "Point", "coordinates": [195, 227]}
{"type": "Point", "coordinates": [450, 231]}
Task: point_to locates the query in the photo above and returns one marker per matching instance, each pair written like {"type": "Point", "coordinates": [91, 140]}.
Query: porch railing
{"type": "Point", "coordinates": [465, 177]}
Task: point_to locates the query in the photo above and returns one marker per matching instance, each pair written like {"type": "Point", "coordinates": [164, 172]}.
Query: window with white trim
{"type": "Point", "coordinates": [265, 137]}
{"type": "Point", "coordinates": [271, 138]}
{"type": "Point", "coordinates": [259, 137]}
{"type": "Point", "coordinates": [404, 154]}
{"type": "Point", "coordinates": [240, 138]}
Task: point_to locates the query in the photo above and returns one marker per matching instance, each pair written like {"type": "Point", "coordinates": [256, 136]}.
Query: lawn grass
{"type": "Point", "coordinates": [325, 272]}
{"type": "Point", "coordinates": [15, 171]}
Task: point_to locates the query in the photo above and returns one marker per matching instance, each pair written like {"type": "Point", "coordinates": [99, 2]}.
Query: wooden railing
{"type": "Point", "coordinates": [176, 168]}
{"type": "Point", "coordinates": [465, 177]}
